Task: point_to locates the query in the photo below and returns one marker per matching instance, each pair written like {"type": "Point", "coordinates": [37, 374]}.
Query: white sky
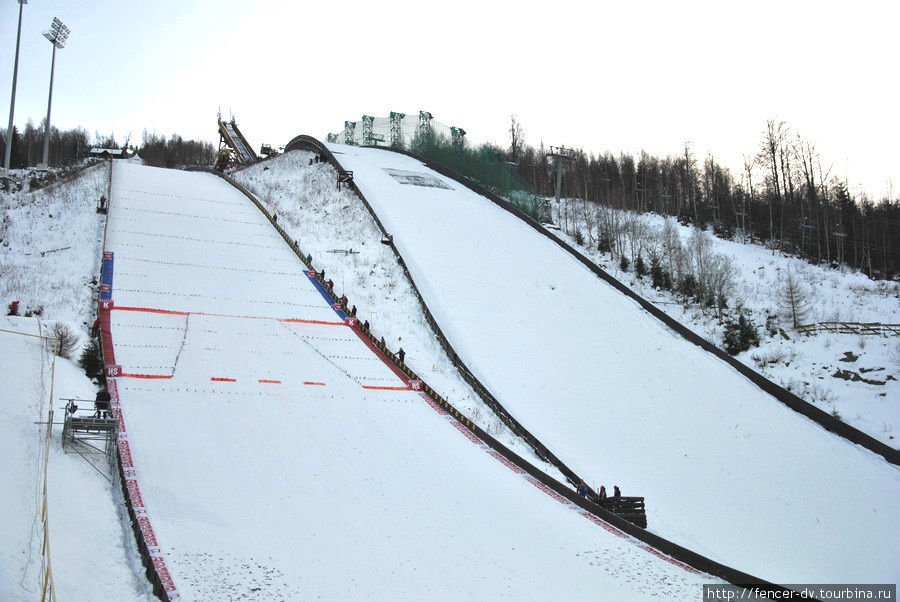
{"type": "Point", "coordinates": [638, 75]}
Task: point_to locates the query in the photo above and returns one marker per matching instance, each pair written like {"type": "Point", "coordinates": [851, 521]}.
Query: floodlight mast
{"type": "Point", "coordinates": [560, 155]}
{"type": "Point", "coordinates": [12, 101]}
{"type": "Point", "coordinates": [57, 35]}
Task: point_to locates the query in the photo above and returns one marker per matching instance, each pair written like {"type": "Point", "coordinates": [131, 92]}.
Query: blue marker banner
{"type": "Point", "coordinates": [106, 276]}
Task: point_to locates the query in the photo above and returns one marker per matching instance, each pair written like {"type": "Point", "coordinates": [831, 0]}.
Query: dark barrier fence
{"type": "Point", "coordinates": [655, 543]}
{"type": "Point", "coordinates": [797, 404]}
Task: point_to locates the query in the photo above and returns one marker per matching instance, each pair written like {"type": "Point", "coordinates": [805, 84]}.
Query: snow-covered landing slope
{"type": "Point", "coordinates": [271, 469]}
{"type": "Point", "coordinates": [727, 470]}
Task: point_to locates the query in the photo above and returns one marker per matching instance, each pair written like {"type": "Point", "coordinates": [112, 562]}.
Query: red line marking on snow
{"type": "Point", "coordinates": [503, 460]}
{"type": "Point", "coordinates": [659, 554]}
{"type": "Point", "coordinates": [547, 490]}
{"type": "Point", "coordinates": [154, 310]}
{"type": "Point", "coordinates": [151, 310]}
{"type": "Point", "coordinates": [374, 388]}
{"type": "Point", "coordinates": [127, 375]}
{"type": "Point", "coordinates": [223, 380]}
{"type": "Point", "coordinates": [313, 383]}
{"type": "Point", "coordinates": [434, 405]}
{"type": "Point", "coordinates": [325, 322]}
{"type": "Point", "coordinates": [602, 523]}
{"type": "Point", "coordinates": [274, 382]}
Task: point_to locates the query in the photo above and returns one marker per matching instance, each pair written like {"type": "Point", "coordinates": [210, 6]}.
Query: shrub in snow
{"type": "Point", "coordinates": [623, 263]}
{"type": "Point", "coordinates": [640, 268]}
{"type": "Point", "coordinates": [688, 286]}
{"type": "Point", "coordinates": [92, 361]}
{"type": "Point", "coordinates": [579, 237]}
{"type": "Point", "coordinates": [604, 245]}
{"type": "Point", "coordinates": [740, 336]}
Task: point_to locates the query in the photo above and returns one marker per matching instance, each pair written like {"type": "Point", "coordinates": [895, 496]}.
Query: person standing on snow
{"type": "Point", "coordinates": [582, 489]}
{"type": "Point", "coordinates": [102, 403]}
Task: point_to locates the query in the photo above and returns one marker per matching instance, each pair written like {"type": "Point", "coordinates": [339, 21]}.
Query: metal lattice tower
{"type": "Point", "coordinates": [349, 129]}
{"type": "Point", "coordinates": [458, 136]}
{"type": "Point", "coordinates": [367, 135]}
{"type": "Point", "coordinates": [424, 122]}
{"type": "Point", "coordinates": [397, 129]}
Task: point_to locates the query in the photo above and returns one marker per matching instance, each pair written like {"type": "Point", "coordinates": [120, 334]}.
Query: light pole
{"type": "Point", "coordinates": [57, 35]}
{"type": "Point", "coordinates": [12, 100]}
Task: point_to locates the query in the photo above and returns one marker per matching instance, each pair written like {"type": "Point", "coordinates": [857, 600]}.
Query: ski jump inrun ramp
{"type": "Point", "coordinates": [269, 453]}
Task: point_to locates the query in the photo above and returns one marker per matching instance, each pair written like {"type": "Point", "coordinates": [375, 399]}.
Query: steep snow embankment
{"type": "Point", "coordinates": [277, 458]}
{"type": "Point", "coordinates": [727, 470]}
{"type": "Point", "coordinates": [92, 553]}
{"type": "Point", "coordinates": [50, 252]}
{"type": "Point", "coordinates": [864, 392]}
{"type": "Point", "coordinates": [335, 228]}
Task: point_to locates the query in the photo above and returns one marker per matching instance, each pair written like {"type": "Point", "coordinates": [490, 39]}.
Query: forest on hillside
{"type": "Point", "coordinates": [786, 196]}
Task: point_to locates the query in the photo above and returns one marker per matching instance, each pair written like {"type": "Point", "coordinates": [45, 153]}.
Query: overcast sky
{"type": "Point", "coordinates": [637, 75]}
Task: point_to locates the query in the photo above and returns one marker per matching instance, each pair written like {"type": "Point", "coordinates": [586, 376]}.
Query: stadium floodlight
{"type": "Point", "coordinates": [12, 100]}
{"type": "Point", "coordinates": [57, 35]}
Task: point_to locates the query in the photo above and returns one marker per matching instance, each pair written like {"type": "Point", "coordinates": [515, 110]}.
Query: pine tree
{"type": "Point", "coordinates": [640, 268]}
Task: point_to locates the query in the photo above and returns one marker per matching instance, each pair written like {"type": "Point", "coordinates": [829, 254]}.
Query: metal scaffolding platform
{"type": "Point", "coordinates": [91, 430]}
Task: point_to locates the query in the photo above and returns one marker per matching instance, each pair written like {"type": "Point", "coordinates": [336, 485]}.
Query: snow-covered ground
{"type": "Point", "coordinates": [343, 239]}
{"type": "Point", "coordinates": [92, 551]}
{"type": "Point", "coordinates": [295, 477]}
{"type": "Point", "coordinates": [50, 250]}
{"type": "Point", "coordinates": [727, 470]}
{"type": "Point", "coordinates": [815, 367]}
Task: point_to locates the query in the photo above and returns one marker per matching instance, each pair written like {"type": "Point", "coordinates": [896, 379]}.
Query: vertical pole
{"type": "Point", "coordinates": [12, 100]}
{"type": "Point", "coordinates": [49, 102]}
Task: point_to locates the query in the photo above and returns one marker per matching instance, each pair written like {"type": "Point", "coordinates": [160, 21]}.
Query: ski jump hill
{"type": "Point", "coordinates": [727, 470]}
{"type": "Point", "coordinates": [269, 449]}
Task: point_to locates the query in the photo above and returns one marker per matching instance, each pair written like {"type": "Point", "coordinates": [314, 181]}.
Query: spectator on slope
{"type": "Point", "coordinates": [329, 284]}
{"type": "Point", "coordinates": [401, 354]}
{"type": "Point", "coordinates": [102, 403]}
{"type": "Point", "coordinates": [582, 489]}
{"type": "Point", "coordinates": [616, 492]}
{"type": "Point", "coordinates": [344, 302]}
{"type": "Point", "coordinates": [353, 312]}
{"type": "Point", "coordinates": [366, 326]}
{"type": "Point", "coordinates": [602, 494]}
{"type": "Point", "coordinates": [308, 256]}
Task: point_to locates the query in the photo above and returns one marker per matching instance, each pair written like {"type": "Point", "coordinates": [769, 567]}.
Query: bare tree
{"type": "Point", "coordinates": [794, 299]}
{"type": "Point", "coordinates": [516, 137]}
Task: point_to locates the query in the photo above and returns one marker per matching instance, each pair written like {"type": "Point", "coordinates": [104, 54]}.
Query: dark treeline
{"type": "Point", "coordinates": [175, 152]}
{"type": "Point", "coordinates": [71, 147]}
{"type": "Point", "coordinates": [785, 196]}
{"type": "Point", "coordinates": [68, 147]}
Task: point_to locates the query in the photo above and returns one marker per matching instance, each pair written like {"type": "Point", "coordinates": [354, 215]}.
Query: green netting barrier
{"type": "Point", "coordinates": [480, 164]}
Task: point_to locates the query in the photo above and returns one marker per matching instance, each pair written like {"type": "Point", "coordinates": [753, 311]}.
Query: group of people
{"type": "Point", "coordinates": [584, 491]}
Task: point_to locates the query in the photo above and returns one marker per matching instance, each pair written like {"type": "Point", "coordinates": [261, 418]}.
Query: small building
{"type": "Point", "coordinates": [112, 153]}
